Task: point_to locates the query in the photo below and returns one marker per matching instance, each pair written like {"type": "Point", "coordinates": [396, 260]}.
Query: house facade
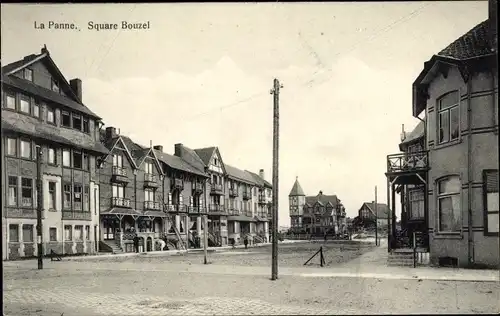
{"type": "Point", "coordinates": [317, 215]}
{"type": "Point", "coordinates": [41, 109]}
{"type": "Point", "coordinates": [369, 213]}
{"type": "Point", "coordinates": [457, 91]}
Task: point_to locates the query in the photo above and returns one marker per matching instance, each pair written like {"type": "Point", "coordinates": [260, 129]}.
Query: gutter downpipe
{"type": "Point", "coordinates": [470, 236]}
{"type": "Point", "coordinates": [426, 185]}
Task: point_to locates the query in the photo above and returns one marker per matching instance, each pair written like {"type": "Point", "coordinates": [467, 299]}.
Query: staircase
{"type": "Point", "coordinates": [112, 246]}
{"type": "Point", "coordinates": [406, 257]}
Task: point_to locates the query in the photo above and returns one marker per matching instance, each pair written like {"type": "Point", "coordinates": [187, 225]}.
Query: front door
{"type": "Point", "coordinates": [109, 229]}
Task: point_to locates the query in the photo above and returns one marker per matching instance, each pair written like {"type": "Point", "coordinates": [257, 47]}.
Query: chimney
{"type": "Point", "coordinates": [403, 133]}
{"type": "Point", "coordinates": [110, 132]}
{"type": "Point", "coordinates": [76, 86]}
{"type": "Point", "coordinates": [261, 173]}
{"type": "Point", "coordinates": [492, 19]}
{"type": "Point", "coordinates": [178, 150]}
{"type": "Point", "coordinates": [320, 192]}
{"type": "Point", "coordinates": [158, 147]}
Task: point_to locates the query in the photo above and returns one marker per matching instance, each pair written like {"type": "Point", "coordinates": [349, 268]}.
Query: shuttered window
{"type": "Point", "coordinates": [491, 204]}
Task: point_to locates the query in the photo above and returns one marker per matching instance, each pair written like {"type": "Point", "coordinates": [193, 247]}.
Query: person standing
{"type": "Point", "coordinates": [245, 241]}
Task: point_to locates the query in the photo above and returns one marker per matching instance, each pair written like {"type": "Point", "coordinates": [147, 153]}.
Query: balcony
{"type": "Point", "coordinates": [216, 189]}
{"type": "Point", "coordinates": [75, 215]}
{"type": "Point", "coordinates": [196, 210]}
{"type": "Point", "coordinates": [247, 195]}
{"type": "Point", "coordinates": [178, 184]}
{"type": "Point", "coordinates": [120, 202]}
{"type": "Point", "coordinates": [262, 199]}
{"type": "Point", "coordinates": [233, 192]}
{"type": "Point", "coordinates": [153, 206]}
{"type": "Point", "coordinates": [119, 174]}
{"type": "Point", "coordinates": [407, 163]}
{"type": "Point", "coordinates": [150, 180]}
{"type": "Point", "coordinates": [197, 188]}
{"type": "Point", "coordinates": [215, 208]}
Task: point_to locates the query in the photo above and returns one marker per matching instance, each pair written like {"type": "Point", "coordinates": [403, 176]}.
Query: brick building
{"type": "Point", "coordinates": [41, 108]}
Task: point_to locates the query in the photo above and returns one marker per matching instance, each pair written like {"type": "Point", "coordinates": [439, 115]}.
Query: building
{"type": "Point", "coordinates": [318, 215]}
{"type": "Point", "coordinates": [450, 187]}
{"type": "Point", "coordinates": [40, 108]}
{"type": "Point", "coordinates": [368, 213]}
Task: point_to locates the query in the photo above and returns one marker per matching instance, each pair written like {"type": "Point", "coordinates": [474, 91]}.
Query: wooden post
{"type": "Point", "coordinates": [389, 215]}
{"type": "Point", "coordinates": [205, 239]}
{"type": "Point", "coordinates": [376, 218]}
{"type": "Point", "coordinates": [39, 199]}
{"type": "Point", "coordinates": [321, 256]}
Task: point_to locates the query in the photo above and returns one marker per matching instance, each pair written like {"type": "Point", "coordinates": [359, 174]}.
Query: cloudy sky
{"type": "Point", "coordinates": [201, 76]}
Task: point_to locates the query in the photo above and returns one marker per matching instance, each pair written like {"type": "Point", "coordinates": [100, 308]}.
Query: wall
{"type": "Point", "coordinates": [452, 159]}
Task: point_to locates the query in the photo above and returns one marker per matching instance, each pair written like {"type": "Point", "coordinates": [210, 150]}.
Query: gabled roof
{"type": "Point", "coordinates": [296, 189]}
{"type": "Point", "coordinates": [382, 209]}
{"type": "Point", "coordinates": [257, 179]}
{"type": "Point", "coordinates": [205, 154]}
{"type": "Point", "coordinates": [72, 102]}
{"type": "Point", "coordinates": [127, 144]}
{"type": "Point", "coordinates": [177, 163]}
{"type": "Point", "coordinates": [416, 134]}
{"type": "Point", "coordinates": [322, 198]}
{"type": "Point", "coordinates": [140, 156]}
{"type": "Point", "coordinates": [240, 175]}
{"type": "Point", "coordinates": [192, 158]}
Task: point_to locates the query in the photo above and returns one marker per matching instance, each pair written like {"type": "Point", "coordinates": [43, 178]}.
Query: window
{"type": "Point", "coordinates": [118, 191]}
{"type": "Point", "coordinates": [87, 232]}
{"type": "Point", "coordinates": [12, 147]}
{"type": "Point", "coordinates": [55, 86]}
{"type": "Point", "coordinates": [66, 119]}
{"type": "Point", "coordinates": [448, 121]}
{"type": "Point", "coordinates": [77, 197]}
{"type": "Point", "coordinates": [26, 192]}
{"type": "Point", "coordinates": [79, 232]}
{"type": "Point", "coordinates": [86, 199]}
{"type": "Point", "coordinates": [148, 167]}
{"type": "Point", "coordinates": [77, 160]}
{"type": "Point", "coordinates": [86, 126]}
{"type": "Point", "coordinates": [24, 104]}
{"type": "Point", "coordinates": [14, 233]}
{"type": "Point", "coordinates": [449, 205]}
{"type": "Point", "coordinates": [68, 236]}
{"type": "Point", "coordinates": [51, 156]}
{"type": "Point", "coordinates": [25, 149]}
{"type": "Point", "coordinates": [52, 234]}
{"type": "Point", "coordinates": [12, 191]}
{"type": "Point", "coordinates": [51, 116]}
{"type": "Point", "coordinates": [77, 122]}
{"type": "Point", "coordinates": [66, 158]}
{"type": "Point", "coordinates": [149, 195]}
{"type": "Point", "coordinates": [28, 74]}
{"type": "Point", "coordinates": [491, 205]}
{"type": "Point", "coordinates": [85, 162]}
{"type": "Point", "coordinates": [52, 195]}
{"type": "Point", "coordinates": [28, 233]}
{"type": "Point", "coordinates": [10, 101]}
{"type": "Point", "coordinates": [36, 109]}
{"type": "Point", "coordinates": [67, 196]}
{"type": "Point", "coordinates": [416, 203]}
{"type": "Point", "coordinates": [117, 161]}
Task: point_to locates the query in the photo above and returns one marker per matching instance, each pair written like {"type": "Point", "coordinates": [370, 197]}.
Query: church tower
{"type": "Point", "coordinates": [297, 200]}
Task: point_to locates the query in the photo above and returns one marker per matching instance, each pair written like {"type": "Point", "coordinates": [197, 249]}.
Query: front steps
{"type": "Point", "coordinates": [113, 246]}
{"type": "Point", "coordinates": [405, 257]}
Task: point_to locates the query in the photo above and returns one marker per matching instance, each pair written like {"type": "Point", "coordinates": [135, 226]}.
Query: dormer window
{"type": "Point", "coordinates": [55, 86]}
{"type": "Point", "coordinates": [28, 74]}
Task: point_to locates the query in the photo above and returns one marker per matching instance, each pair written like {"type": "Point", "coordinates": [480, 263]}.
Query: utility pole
{"type": "Point", "coordinates": [39, 197]}
{"type": "Point", "coordinates": [376, 218]}
{"type": "Point", "coordinates": [205, 239]}
{"type": "Point", "coordinates": [276, 92]}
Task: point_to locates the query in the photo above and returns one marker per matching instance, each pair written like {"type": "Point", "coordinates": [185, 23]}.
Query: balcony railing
{"type": "Point", "coordinates": [152, 205]}
{"type": "Point", "coordinates": [405, 162]}
{"type": "Point", "coordinates": [232, 211]}
{"type": "Point", "coordinates": [119, 171]}
{"type": "Point", "coordinates": [247, 195]}
{"type": "Point", "coordinates": [214, 208]}
{"type": "Point", "coordinates": [196, 209]}
{"type": "Point", "coordinates": [178, 184]}
{"type": "Point", "coordinates": [216, 188]}
{"type": "Point", "coordinates": [120, 202]}
{"type": "Point", "coordinates": [27, 202]}
{"type": "Point", "coordinates": [262, 199]}
{"type": "Point", "coordinates": [233, 192]}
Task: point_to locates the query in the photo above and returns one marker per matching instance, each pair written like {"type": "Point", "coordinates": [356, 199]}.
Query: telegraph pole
{"type": "Point", "coordinates": [276, 92]}
{"type": "Point", "coordinates": [39, 197]}
{"type": "Point", "coordinates": [376, 218]}
{"type": "Point", "coordinates": [205, 239]}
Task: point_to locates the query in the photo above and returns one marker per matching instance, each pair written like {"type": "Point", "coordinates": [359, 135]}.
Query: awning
{"type": "Point", "coordinates": [155, 214]}
{"type": "Point", "coordinates": [240, 218]}
{"type": "Point", "coordinates": [121, 211]}
{"type": "Point", "coordinates": [260, 219]}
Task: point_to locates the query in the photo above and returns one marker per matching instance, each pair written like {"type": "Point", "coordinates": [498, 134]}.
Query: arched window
{"type": "Point", "coordinates": [448, 117]}
{"type": "Point", "coordinates": [449, 204]}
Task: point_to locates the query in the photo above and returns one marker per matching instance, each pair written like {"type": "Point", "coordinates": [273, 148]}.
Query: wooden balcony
{"type": "Point", "coordinates": [119, 174]}
{"type": "Point", "coordinates": [151, 180]}
{"type": "Point", "coordinates": [216, 189]}
{"type": "Point", "coordinates": [153, 206]}
{"type": "Point", "coordinates": [409, 168]}
{"type": "Point", "coordinates": [247, 195]}
{"type": "Point", "coordinates": [197, 188]}
{"type": "Point", "coordinates": [233, 192]}
{"type": "Point", "coordinates": [178, 184]}
{"type": "Point", "coordinates": [120, 202]}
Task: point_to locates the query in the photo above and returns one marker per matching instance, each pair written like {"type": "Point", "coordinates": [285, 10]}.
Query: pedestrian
{"type": "Point", "coordinates": [136, 243]}
{"type": "Point", "coordinates": [232, 242]}
{"type": "Point", "coordinates": [245, 241]}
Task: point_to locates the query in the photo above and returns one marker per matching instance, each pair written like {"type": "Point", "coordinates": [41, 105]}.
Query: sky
{"type": "Point", "coordinates": [201, 76]}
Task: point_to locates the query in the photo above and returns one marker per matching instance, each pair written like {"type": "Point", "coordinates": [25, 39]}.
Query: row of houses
{"type": "Point", "coordinates": [100, 189]}
{"type": "Point", "coordinates": [317, 215]}
{"type": "Point", "coordinates": [446, 174]}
